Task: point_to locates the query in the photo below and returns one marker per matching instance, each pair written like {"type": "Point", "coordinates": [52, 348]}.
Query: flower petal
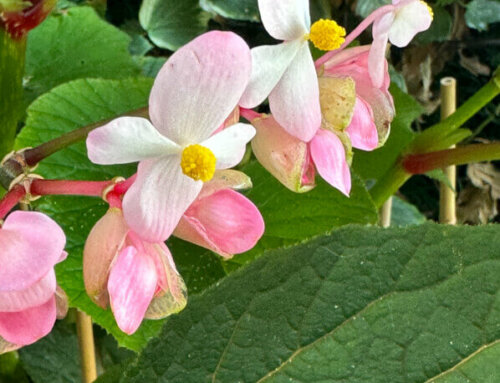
{"type": "Point", "coordinates": [131, 285]}
{"type": "Point", "coordinates": [285, 19]}
{"type": "Point", "coordinates": [7, 347]}
{"type": "Point", "coordinates": [171, 295]}
{"type": "Point", "coordinates": [328, 155]}
{"type": "Point", "coordinates": [199, 86]}
{"type": "Point", "coordinates": [127, 139]}
{"type": "Point", "coordinates": [294, 101]}
{"type": "Point", "coordinates": [62, 304]}
{"type": "Point", "coordinates": [158, 198]}
{"type": "Point", "coordinates": [362, 130]}
{"type": "Point", "coordinates": [410, 19]}
{"type": "Point", "coordinates": [31, 244]}
{"type": "Point", "coordinates": [225, 222]}
{"type": "Point", "coordinates": [35, 295]}
{"type": "Point", "coordinates": [229, 145]}
{"type": "Point", "coordinates": [269, 62]}
{"type": "Point", "coordinates": [27, 326]}
{"type": "Point", "coordinates": [226, 179]}
{"type": "Point", "coordinates": [283, 155]}
{"type": "Point", "coordinates": [102, 246]}
{"type": "Point", "coordinates": [376, 57]}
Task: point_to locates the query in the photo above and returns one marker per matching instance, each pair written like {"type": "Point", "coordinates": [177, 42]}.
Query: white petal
{"type": "Point", "coordinates": [408, 21]}
{"type": "Point", "coordinates": [199, 86]}
{"type": "Point", "coordinates": [294, 101]}
{"type": "Point", "coordinates": [376, 60]}
{"type": "Point", "coordinates": [269, 62]}
{"type": "Point", "coordinates": [285, 19]}
{"type": "Point", "coordinates": [229, 145]}
{"type": "Point", "coordinates": [127, 139]}
{"type": "Point", "coordinates": [158, 198]}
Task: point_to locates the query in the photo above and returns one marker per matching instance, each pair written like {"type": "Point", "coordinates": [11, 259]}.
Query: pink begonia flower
{"type": "Point", "coordinates": [195, 91]}
{"type": "Point", "coordinates": [138, 278]}
{"type": "Point", "coordinates": [285, 72]}
{"type": "Point", "coordinates": [374, 107]}
{"type": "Point", "coordinates": [294, 162]}
{"type": "Point", "coordinates": [30, 245]}
{"type": "Point", "coordinates": [398, 25]}
{"type": "Point", "coordinates": [221, 219]}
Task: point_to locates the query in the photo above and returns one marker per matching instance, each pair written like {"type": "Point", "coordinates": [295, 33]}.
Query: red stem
{"type": "Point", "coordinates": [249, 114]}
{"type": "Point", "coordinates": [11, 199]}
{"type": "Point", "coordinates": [63, 187]}
{"type": "Point", "coordinates": [122, 187]}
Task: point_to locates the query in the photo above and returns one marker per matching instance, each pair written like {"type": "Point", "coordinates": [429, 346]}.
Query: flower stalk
{"type": "Point", "coordinates": [11, 199]}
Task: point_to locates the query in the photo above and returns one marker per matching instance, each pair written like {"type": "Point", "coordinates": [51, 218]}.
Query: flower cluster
{"type": "Point", "coordinates": [184, 185]}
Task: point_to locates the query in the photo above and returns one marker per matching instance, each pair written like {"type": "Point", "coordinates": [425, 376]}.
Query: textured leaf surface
{"type": "Point", "coordinates": [54, 358]}
{"type": "Point", "coordinates": [67, 107]}
{"type": "Point", "coordinates": [72, 44]}
{"type": "Point", "coordinates": [292, 218]}
{"type": "Point", "coordinates": [172, 23]}
{"type": "Point", "coordinates": [361, 305]}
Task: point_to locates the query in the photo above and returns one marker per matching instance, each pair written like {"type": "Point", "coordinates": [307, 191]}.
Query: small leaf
{"type": "Point", "coordinates": [404, 213]}
{"type": "Point", "coordinates": [481, 13]}
{"type": "Point", "coordinates": [172, 23]}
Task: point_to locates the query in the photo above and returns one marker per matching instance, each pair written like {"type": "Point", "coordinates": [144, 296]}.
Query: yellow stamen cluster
{"type": "Point", "coordinates": [326, 35]}
{"type": "Point", "coordinates": [198, 162]}
{"type": "Point", "coordinates": [428, 8]}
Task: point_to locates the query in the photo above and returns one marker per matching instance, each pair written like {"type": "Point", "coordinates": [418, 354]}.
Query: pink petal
{"type": "Point", "coordinates": [35, 295]}
{"type": "Point", "coordinates": [131, 285]}
{"type": "Point", "coordinates": [158, 198]}
{"type": "Point", "coordinates": [171, 295]}
{"type": "Point", "coordinates": [27, 326]}
{"type": "Point", "coordinates": [127, 139]}
{"type": "Point", "coordinates": [410, 19]}
{"type": "Point", "coordinates": [328, 154]}
{"type": "Point", "coordinates": [103, 244]}
{"type": "Point", "coordinates": [229, 145]}
{"type": "Point", "coordinates": [226, 222]}
{"type": "Point", "coordinates": [285, 19]}
{"type": "Point", "coordinates": [199, 86]}
{"type": "Point", "coordinates": [376, 58]}
{"type": "Point", "coordinates": [283, 155]}
{"type": "Point", "coordinates": [31, 245]}
{"type": "Point", "coordinates": [294, 102]}
{"type": "Point", "coordinates": [269, 62]}
{"type": "Point", "coordinates": [362, 130]}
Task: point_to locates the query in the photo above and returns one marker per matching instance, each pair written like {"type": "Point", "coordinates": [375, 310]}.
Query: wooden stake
{"type": "Point", "coordinates": [86, 345]}
{"type": "Point", "coordinates": [385, 213]}
{"type": "Point", "coordinates": [447, 200]}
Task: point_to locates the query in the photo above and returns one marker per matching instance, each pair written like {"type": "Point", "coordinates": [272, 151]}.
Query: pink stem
{"type": "Point", "coordinates": [11, 199]}
{"type": "Point", "coordinates": [114, 199]}
{"type": "Point", "coordinates": [376, 14]}
{"type": "Point", "coordinates": [64, 187]}
{"type": "Point", "coordinates": [249, 114]}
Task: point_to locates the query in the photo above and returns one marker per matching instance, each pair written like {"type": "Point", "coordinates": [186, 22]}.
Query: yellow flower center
{"type": "Point", "coordinates": [326, 35]}
{"type": "Point", "coordinates": [198, 162]}
{"type": "Point", "coordinates": [428, 8]}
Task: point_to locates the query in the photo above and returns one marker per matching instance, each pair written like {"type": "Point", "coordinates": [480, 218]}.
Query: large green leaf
{"type": "Point", "coordinates": [75, 43]}
{"type": "Point", "coordinates": [373, 165]}
{"type": "Point", "coordinates": [292, 218]}
{"type": "Point", "coordinates": [65, 108]}
{"type": "Point", "coordinates": [233, 9]}
{"type": "Point", "coordinates": [172, 23]}
{"type": "Point", "coordinates": [361, 305]}
{"type": "Point", "coordinates": [481, 13]}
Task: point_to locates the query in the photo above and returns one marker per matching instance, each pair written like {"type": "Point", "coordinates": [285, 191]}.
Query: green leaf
{"type": "Point", "coordinates": [361, 305]}
{"type": "Point", "coordinates": [291, 218]}
{"type": "Point", "coordinates": [72, 44]}
{"type": "Point", "coordinates": [440, 175]}
{"type": "Point", "coordinates": [365, 7]}
{"type": "Point", "coordinates": [404, 213]}
{"type": "Point", "coordinates": [481, 13]}
{"type": "Point", "coordinates": [150, 65]}
{"type": "Point", "coordinates": [373, 165]}
{"type": "Point", "coordinates": [320, 9]}
{"type": "Point", "coordinates": [172, 23]}
{"type": "Point", "coordinates": [54, 358]}
{"type": "Point", "coordinates": [67, 107]}
{"type": "Point", "coordinates": [233, 9]}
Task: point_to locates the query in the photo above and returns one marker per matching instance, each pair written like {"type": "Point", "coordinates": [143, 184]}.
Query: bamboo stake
{"type": "Point", "coordinates": [385, 213]}
{"type": "Point", "coordinates": [86, 345]}
{"type": "Point", "coordinates": [447, 200]}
